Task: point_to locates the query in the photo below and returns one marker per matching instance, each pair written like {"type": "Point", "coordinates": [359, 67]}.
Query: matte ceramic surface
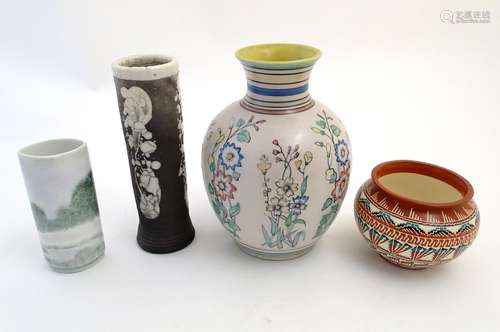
{"type": "Point", "coordinates": [151, 116]}
{"type": "Point", "coordinates": [416, 215]}
{"type": "Point", "coordinates": [276, 164]}
{"type": "Point", "coordinates": [61, 190]}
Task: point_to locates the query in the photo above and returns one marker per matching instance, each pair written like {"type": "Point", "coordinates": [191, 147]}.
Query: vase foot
{"type": "Point", "coordinates": [407, 265]}
{"type": "Point", "coordinates": [79, 268]}
{"type": "Point", "coordinates": [160, 245]}
{"type": "Point", "coordinates": [273, 256]}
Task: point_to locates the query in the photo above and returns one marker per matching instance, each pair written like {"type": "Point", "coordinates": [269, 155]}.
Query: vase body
{"type": "Point", "coordinates": [61, 190]}
{"type": "Point", "coordinates": [276, 164]}
{"type": "Point", "coordinates": [414, 234]}
{"type": "Point", "coordinates": [151, 117]}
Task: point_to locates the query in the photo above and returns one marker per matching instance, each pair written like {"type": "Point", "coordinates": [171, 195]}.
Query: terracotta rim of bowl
{"type": "Point", "coordinates": [418, 167]}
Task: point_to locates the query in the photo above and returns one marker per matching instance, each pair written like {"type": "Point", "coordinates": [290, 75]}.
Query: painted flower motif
{"type": "Point", "coordinates": [338, 165]}
{"type": "Point", "coordinates": [298, 164]}
{"type": "Point", "coordinates": [137, 112]}
{"type": "Point", "coordinates": [339, 190]}
{"type": "Point", "coordinates": [330, 175]}
{"type": "Point", "coordinates": [284, 203]}
{"type": "Point", "coordinates": [298, 204]}
{"type": "Point", "coordinates": [342, 152]}
{"type": "Point", "coordinates": [277, 206]}
{"type": "Point", "coordinates": [286, 187]}
{"type": "Point", "coordinates": [230, 156]}
{"type": "Point", "coordinates": [308, 157]}
{"type": "Point", "coordinates": [264, 165]}
{"type": "Point", "coordinates": [220, 136]}
{"type": "Point", "coordinates": [223, 186]}
{"type": "Point", "coordinates": [224, 146]}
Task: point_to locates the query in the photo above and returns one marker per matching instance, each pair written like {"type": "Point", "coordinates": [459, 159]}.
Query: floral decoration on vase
{"type": "Point", "coordinates": [288, 200]}
{"type": "Point", "coordinates": [224, 161]}
{"type": "Point", "coordinates": [180, 129]}
{"type": "Point", "coordinates": [338, 168]}
{"type": "Point", "coordinates": [137, 112]}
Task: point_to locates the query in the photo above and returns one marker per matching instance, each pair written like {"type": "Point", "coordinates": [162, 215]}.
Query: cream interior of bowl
{"type": "Point", "coordinates": [420, 187]}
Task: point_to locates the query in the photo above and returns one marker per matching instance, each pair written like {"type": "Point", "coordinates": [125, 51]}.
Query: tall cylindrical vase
{"type": "Point", "coordinates": [151, 116]}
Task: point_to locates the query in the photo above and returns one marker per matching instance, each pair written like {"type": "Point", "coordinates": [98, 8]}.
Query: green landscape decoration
{"type": "Point", "coordinates": [83, 207]}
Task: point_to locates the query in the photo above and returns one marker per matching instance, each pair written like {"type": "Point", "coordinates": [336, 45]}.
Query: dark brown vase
{"type": "Point", "coordinates": [151, 116]}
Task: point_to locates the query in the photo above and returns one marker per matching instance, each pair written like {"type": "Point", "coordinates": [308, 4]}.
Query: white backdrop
{"type": "Point", "coordinates": [406, 85]}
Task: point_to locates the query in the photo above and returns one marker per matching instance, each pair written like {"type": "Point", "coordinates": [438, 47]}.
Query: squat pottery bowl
{"type": "Point", "coordinates": [416, 215]}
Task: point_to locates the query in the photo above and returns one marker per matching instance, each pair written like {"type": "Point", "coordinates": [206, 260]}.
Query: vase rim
{"type": "Point", "coordinates": [145, 67]}
{"type": "Point", "coordinates": [52, 149]}
{"type": "Point", "coordinates": [437, 172]}
{"type": "Point", "coordinates": [278, 55]}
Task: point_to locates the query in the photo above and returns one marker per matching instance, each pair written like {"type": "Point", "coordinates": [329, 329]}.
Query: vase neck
{"type": "Point", "coordinates": [277, 90]}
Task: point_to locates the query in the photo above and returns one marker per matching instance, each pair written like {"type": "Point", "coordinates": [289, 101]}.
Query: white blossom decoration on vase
{"type": "Point", "coordinates": [137, 112]}
{"type": "Point", "coordinates": [180, 129]}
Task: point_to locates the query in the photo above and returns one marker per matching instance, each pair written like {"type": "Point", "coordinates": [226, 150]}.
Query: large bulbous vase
{"type": "Point", "coordinates": [276, 164]}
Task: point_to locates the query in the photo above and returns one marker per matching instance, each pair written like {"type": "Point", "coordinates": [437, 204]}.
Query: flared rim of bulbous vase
{"type": "Point", "coordinates": [278, 55]}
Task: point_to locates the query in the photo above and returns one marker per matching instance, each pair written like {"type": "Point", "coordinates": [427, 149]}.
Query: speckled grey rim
{"type": "Point", "coordinates": [145, 67]}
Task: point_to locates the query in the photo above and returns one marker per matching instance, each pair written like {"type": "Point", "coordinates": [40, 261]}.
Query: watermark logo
{"type": "Point", "coordinates": [465, 16]}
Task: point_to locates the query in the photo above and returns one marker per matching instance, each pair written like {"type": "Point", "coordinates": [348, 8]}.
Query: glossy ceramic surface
{"type": "Point", "coordinates": [413, 224]}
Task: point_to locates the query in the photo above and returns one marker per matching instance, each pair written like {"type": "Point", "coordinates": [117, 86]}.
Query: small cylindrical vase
{"type": "Point", "coordinates": [61, 190]}
{"type": "Point", "coordinates": [151, 116]}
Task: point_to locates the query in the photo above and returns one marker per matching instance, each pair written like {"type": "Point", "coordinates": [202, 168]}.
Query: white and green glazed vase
{"type": "Point", "coordinates": [60, 187]}
{"type": "Point", "coordinates": [276, 163]}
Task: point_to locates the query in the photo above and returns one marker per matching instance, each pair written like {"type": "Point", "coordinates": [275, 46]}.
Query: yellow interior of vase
{"type": "Point", "coordinates": [420, 187]}
{"type": "Point", "coordinates": [278, 53]}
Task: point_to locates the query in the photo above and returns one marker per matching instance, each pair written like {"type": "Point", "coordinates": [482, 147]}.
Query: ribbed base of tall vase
{"type": "Point", "coordinates": [155, 242]}
{"type": "Point", "coordinates": [273, 256]}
